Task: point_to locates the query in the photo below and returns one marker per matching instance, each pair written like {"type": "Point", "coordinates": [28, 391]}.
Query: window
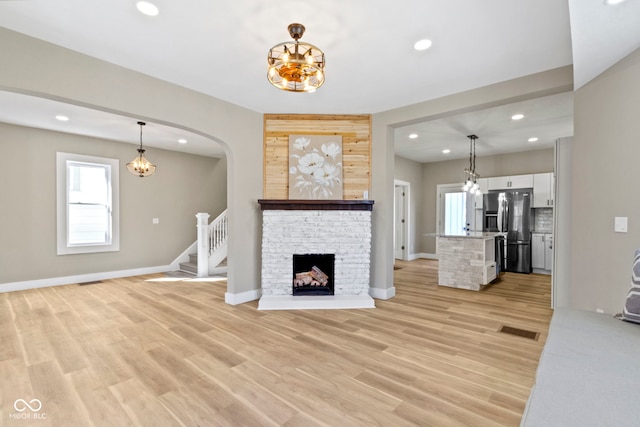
{"type": "Point", "coordinates": [455, 213]}
{"type": "Point", "coordinates": [87, 199]}
{"type": "Point", "coordinates": [455, 210]}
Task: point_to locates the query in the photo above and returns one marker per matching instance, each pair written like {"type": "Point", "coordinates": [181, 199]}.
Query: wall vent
{"type": "Point", "coordinates": [90, 283]}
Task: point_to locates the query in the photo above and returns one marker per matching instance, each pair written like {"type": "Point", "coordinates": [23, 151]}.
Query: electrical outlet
{"type": "Point", "coordinates": [599, 310]}
{"type": "Point", "coordinates": [156, 220]}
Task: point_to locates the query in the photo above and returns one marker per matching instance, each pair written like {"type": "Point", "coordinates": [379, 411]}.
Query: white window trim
{"type": "Point", "coordinates": [61, 204]}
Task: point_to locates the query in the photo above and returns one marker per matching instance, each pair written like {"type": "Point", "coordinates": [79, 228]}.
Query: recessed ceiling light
{"type": "Point", "coordinates": [62, 118]}
{"type": "Point", "coordinates": [534, 139]}
{"type": "Point", "coordinates": [182, 141]}
{"type": "Point", "coordinates": [446, 151]}
{"type": "Point", "coordinates": [147, 8]}
{"type": "Point", "coordinates": [413, 136]}
{"type": "Point", "coordinates": [517, 116]}
{"type": "Point", "coordinates": [423, 44]}
{"type": "Point", "coordinates": [613, 1]}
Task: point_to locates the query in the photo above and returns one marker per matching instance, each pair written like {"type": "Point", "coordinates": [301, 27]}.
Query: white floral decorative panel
{"type": "Point", "coordinates": [315, 167]}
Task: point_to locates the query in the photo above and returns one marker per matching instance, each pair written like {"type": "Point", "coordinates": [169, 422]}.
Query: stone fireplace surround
{"type": "Point", "coordinates": [340, 227]}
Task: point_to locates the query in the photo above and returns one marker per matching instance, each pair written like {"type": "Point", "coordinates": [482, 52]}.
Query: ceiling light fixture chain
{"type": "Point", "coordinates": [297, 66]}
{"type": "Point", "coordinates": [473, 141]}
{"type": "Point", "coordinates": [140, 166]}
{"type": "Point", "coordinates": [470, 175]}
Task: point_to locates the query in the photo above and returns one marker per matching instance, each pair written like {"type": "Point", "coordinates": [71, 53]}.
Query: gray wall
{"type": "Point", "coordinates": [606, 159]}
{"type": "Point", "coordinates": [451, 172]}
{"type": "Point", "coordinates": [182, 186]}
{"type": "Point", "coordinates": [534, 86]}
{"type": "Point", "coordinates": [82, 80]}
{"type": "Point", "coordinates": [410, 171]}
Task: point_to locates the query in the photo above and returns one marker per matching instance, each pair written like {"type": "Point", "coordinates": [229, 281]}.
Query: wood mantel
{"type": "Point", "coordinates": [316, 205]}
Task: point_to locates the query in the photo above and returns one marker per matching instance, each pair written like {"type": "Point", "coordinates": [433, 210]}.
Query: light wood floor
{"type": "Point", "coordinates": [141, 351]}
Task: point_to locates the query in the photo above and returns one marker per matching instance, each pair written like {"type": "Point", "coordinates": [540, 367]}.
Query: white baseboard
{"type": "Point", "coordinates": [80, 278]}
{"type": "Point", "coordinates": [242, 297]}
{"type": "Point", "coordinates": [413, 257]}
{"type": "Point", "coordinates": [426, 255]}
{"type": "Point", "coordinates": [378, 293]}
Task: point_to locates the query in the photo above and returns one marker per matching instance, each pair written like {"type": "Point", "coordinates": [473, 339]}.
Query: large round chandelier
{"type": "Point", "coordinates": [296, 66]}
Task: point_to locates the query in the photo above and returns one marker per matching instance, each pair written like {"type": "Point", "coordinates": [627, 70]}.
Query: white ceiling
{"type": "Point", "coordinates": [545, 118]}
{"type": "Point", "coordinates": [601, 36]}
{"type": "Point", "coordinates": [41, 113]}
{"type": "Point", "coordinates": [219, 48]}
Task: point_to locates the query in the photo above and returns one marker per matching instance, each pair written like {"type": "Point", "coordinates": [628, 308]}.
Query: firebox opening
{"type": "Point", "coordinates": [313, 274]}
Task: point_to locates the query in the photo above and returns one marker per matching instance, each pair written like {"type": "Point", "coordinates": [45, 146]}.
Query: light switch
{"type": "Point", "coordinates": [620, 224]}
{"type": "Point", "coordinates": [156, 220]}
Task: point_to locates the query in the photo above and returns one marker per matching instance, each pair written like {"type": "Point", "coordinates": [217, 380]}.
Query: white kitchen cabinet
{"type": "Point", "coordinates": [479, 198]}
{"type": "Point", "coordinates": [543, 190]}
{"type": "Point", "coordinates": [498, 182]}
{"type": "Point", "coordinates": [521, 181]}
{"type": "Point", "coordinates": [542, 251]}
{"type": "Point", "coordinates": [510, 182]}
{"type": "Point", "coordinates": [537, 251]}
{"type": "Point", "coordinates": [548, 252]}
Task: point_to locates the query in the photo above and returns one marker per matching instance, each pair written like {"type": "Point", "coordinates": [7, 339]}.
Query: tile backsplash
{"type": "Point", "coordinates": [543, 219]}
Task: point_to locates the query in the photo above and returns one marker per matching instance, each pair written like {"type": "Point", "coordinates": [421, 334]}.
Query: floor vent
{"type": "Point", "coordinates": [90, 283]}
{"type": "Point", "coordinates": [396, 268]}
{"type": "Point", "coordinates": [519, 332]}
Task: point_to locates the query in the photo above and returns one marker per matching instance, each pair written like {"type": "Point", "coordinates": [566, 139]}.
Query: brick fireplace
{"type": "Point", "coordinates": [340, 229]}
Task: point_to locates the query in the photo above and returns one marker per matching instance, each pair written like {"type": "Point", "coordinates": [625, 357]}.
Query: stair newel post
{"type": "Point", "coordinates": [203, 244]}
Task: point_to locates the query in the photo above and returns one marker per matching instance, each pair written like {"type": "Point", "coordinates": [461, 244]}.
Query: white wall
{"type": "Point", "coordinates": [31, 66]}
{"type": "Point", "coordinates": [562, 224]}
{"type": "Point", "coordinates": [183, 185]}
{"type": "Point", "coordinates": [606, 155]}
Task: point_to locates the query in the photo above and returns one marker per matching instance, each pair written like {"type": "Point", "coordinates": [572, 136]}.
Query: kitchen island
{"type": "Point", "coordinates": [466, 260]}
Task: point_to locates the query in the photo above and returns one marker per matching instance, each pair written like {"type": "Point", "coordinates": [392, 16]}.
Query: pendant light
{"type": "Point", "coordinates": [140, 165]}
{"type": "Point", "coordinates": [470, 175]}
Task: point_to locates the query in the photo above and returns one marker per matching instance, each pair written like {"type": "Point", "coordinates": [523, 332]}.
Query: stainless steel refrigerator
{"type": "Point", "coordinates": [509, 212]}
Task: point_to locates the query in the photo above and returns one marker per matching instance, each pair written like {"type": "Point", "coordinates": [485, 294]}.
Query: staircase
{"type": "Point", "coordinates": [191, 266]}
{"type": "Point", "coordinates": [208, 255]}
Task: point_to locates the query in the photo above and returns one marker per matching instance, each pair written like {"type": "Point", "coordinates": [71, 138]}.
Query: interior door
{"type": "Point", "coordinates": [399, 238]}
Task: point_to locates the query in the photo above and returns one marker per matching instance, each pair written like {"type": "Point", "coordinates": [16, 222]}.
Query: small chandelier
{"type": "Point", "coordinates": [140, 165]}
{"type": "Point", "coordinates": [296, 66]}
{"type": "Point", "coordinates": [470, 175]}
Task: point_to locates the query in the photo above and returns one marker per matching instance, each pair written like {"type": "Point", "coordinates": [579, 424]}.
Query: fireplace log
{"type": "Point", "coordinates": [305, 277]}
{"type": "Point", "coordinates": [318, 274]}
{"type": "Point", "coordinates": [313, 278]}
